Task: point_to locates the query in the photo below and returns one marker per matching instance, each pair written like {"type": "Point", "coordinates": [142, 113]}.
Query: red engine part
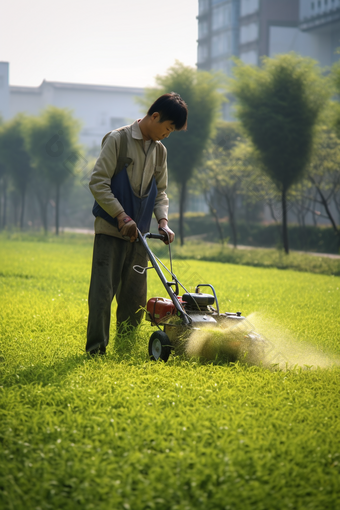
{"type": "Point", "coordinates": [160, 307]}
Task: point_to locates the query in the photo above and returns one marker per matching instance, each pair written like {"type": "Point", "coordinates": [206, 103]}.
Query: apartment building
{"type": "Point", "coordinates": [249, 29]}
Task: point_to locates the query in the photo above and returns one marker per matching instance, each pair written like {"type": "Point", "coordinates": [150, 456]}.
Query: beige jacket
{"type": "Point", "coordinates": [140, 172]}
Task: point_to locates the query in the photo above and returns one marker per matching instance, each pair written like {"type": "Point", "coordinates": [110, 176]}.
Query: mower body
{"type": "Point", "coordinates": [180, 316]}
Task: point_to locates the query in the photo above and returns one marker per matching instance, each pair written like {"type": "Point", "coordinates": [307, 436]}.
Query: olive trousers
{"type": "Point", "coordinates": [113, 275]}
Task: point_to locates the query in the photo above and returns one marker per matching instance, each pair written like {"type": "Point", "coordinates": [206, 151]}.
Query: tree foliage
{"type": "Point", "coordinates": [203, 93]}
{"type": "Point", "coordinates": [336, 105]}
{"type": "Point", "coordinates": [279, 105]}
{"type": "Point", "coordinates": [324, 172]}
{"type": "Point", "coordinates": [223, 172]}
{"type": "Point", "coordinates": [14, 157]}
{"type": "Point", "coordinates": [52, 142]}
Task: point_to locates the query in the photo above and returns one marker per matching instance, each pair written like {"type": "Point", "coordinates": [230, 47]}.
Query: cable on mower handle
{"type": "Point", "coordinates": [142, 238]}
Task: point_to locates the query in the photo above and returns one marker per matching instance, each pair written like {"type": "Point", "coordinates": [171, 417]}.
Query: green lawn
{"type": "Point", "coordinates": [121, 432]}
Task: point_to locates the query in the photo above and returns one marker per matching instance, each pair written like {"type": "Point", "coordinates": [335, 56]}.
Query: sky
{"type": "Point", "coordinates": [117, 42]}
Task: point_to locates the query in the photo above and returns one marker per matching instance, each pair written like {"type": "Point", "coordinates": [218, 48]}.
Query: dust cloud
{"type": "Point", "coordinates": [257, 340]}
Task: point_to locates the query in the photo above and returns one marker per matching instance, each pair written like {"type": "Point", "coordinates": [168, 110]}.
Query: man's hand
{"type": "Point", "coordinates": [164, 229]}
{"type": "Point", "coordinates": [127, 227]}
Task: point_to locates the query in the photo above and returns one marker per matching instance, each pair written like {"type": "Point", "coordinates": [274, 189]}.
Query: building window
{"type": "Point", "coordinates": [203, 6]}
{"type": "Point", "coordinates": [249, 33]}
{"type": "Point", "coordinates": [202, 29]}
{"type": "Point", "coordinates": [312, 6]}
{"type": "Point", "coordinates": [249, 57]}
{"type": "Point", "coordinates": [221, 16]}
{"type": "Point", "coordinates": [202, 53]}
{"type": "Point", "coordinates": [249, 6]}
{"type": "Point", "coordinates": [221, 44]}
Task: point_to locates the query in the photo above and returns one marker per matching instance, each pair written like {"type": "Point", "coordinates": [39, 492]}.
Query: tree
{"type": "Point", "coordinates": [336, 106]}
{"type": "Point", "coordinates": [324, 172]}
{"type": "Point", "coordinates": [279, 105]}
{"type": "Point", "coordinates": [321, 184]}
{"type": "Point", "coordinates": [222, 173]}
{"type": "Point", "coordinates": [52, 141]}
{"type": "Point", "coordinates": [15, 158]}
{"type": "Point", "coordinates": [302, 201]}
{"type": "Point", "coordinates": [203, 93]}
{"type": "Point", "coordinates": [3, 195]}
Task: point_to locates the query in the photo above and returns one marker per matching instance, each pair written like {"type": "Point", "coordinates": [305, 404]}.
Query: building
{"type": "Point", "coordinates": [100, 108]}
{"type": "Point", "coordinates": [218, 34]}
{"type": "Point", "coordinates": [4, 91]}
{"type": "Point", "coordinates": [257, 18]}
{"type": "Point", "coordinates": [316, 35]}
{"type": "Point", "coordinates": [250, 29]}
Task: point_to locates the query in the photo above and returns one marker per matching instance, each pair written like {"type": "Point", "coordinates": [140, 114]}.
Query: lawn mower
{"type": "Point", "coordinates": [194, 314]}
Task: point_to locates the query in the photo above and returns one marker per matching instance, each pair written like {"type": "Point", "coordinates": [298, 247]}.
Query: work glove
{"type": "Point", "coordinates": [170, 235]}
{"type": "Point", "coordinates": [128, 228]}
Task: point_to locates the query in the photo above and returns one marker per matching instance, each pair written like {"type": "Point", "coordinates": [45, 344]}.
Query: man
{"type": "Point", "coordinates": [128, 183]}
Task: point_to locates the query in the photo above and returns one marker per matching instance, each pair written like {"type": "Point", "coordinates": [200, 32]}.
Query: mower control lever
{"type": "Point", "coordinates": [141, 269]}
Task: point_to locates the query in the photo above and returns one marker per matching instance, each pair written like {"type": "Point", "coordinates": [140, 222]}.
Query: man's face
{"type": "Point", "coordinates": [160, 130]}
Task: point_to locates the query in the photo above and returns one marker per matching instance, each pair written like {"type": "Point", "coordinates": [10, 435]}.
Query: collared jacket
{"type": "Point", "coordinates": [140, 172]}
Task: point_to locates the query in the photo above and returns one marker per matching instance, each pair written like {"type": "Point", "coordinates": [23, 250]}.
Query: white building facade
{"type": "Point", "coordinates": [100, 108]}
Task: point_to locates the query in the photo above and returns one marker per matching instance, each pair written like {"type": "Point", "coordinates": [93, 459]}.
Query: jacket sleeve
{"type": "Point", "coordinates": [104, 169]}
{"type": "Point", "coordinates": [162, 202]}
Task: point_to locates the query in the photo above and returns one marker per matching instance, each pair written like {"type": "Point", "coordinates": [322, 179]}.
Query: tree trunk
{"type": "Point", "coordinates": [213, 212]}
{"type": "Point", "coordinates": [43, 212]}
{"type": "Point", "coordinates": [181, 211]}
{"type": "Point", "coordinates": [270, 205]}
{"type": "Point", "coordinates": [315, 221]}
{"type": "Point", "coordinates": [232, 219]}
{"type": "Point", "coordinates": [4, 210]}
{"type": "Point", "coordinates": [45, 217]}
{"type": "Point", "coordinates": [22, 212]}
{"type": "Point", "coordinates": [325, 204]}
{"type": "Point", "coordinates": [277, 224]}
{"type": "Point", "coordinates": [57, 201]}
{"type": "Point", "coordinates": [284, 222]}
{"type": "Point", "coordinates": [218, 225]}
{"type": "Point", "coordinates": [15, 209]}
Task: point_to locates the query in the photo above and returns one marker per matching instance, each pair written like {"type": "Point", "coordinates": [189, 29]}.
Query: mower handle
{"type": "Point", "coordinates": [174, 298]}
{"type": "Point", "coordinates": [149, 235]}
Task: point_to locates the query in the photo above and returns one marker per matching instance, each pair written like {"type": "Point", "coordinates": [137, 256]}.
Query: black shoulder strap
{"type": "Point", "coordinates": [122, 160]}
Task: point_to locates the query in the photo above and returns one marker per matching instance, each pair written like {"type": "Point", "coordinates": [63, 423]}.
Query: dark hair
{"type": "Point", "coordinates": [171, 107]}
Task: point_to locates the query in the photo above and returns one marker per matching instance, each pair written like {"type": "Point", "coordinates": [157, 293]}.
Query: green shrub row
{"type": "Point", "coordinates": [309, 238]}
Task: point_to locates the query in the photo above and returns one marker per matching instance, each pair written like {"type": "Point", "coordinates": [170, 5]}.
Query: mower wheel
{"type": "Point", "coordinates": [159, 346]}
